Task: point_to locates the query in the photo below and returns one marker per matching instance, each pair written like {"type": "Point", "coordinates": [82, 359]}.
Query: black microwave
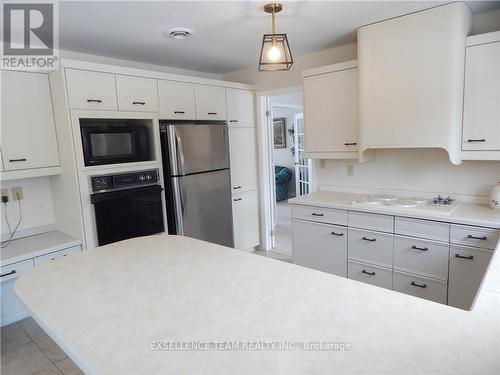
{"type": "Point", "coordinates": [112, 144]}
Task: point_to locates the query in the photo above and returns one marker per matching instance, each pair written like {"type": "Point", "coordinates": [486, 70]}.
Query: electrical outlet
{"type": "Point", "coordinates": [5, 193]}
{"type": "Point", "coordinates": [350, 170]}
{"type": "Point", "coordinates": [17, 193]}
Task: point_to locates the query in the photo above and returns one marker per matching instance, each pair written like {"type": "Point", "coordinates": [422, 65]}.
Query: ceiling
{"type": "Point", "coordinates": [228, 34]}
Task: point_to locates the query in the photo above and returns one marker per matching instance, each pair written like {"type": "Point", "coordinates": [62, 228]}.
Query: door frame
{"type": "Point", "coordinates": [265, 151]}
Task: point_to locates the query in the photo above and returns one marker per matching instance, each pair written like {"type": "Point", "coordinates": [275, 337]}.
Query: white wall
{"type": "Point", "coordinates": [36, 206]}
{"type": "Point", "coordinates": [428, 172]}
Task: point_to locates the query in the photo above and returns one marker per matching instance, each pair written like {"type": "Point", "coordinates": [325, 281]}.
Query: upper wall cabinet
{"type": "Point", "coordinates": [28, 132]}
{"type": "Point", "coordinates": [91, 90]}
{"type": "Point", "coordinates": [136, 94]}
{"type": "Point", "coordinates": [411, 72]}
{"type": "Point", "coordinates": [176, 100]}
{"type": "Point", "coordinates": [331, 111]}
{"type": "Point", "coordinates": [240, 108]}
{"type": "Point", "coordinates": [481, 124]}
{"type": "Point", "coordinates": [210, 102]}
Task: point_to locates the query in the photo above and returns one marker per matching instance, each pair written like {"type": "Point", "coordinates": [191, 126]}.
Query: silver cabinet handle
{"type": "Point", "coordinates": [139, 103]}
{"type": "Point", "coordinates": [238, 199]}
{"type": "Point", "coordinates": [233, 120]}
{"type": "Point", "coordinates": [337, 234]}
{"type": "Point", "coordinates": [469, 257]}
{"type": "Point", "coordinates": [236, 187]}
{"type": "Point", "coordinates": [94, 100]}
{"type": "Point", "coordinates": [369, 239]}
{"type": "Point", "coordinates": [8, 273]}
{"type": "Point", "coordinates": [179, 112]}
{"type": "Point", "coordinates": [316, 214]}
{"type": "Point", "coordinates": [16, 160]}
{"type": "Point", "coordinates": [368, 273]}
{"type": "Point", "coordinates": [483, 238]}
{"type": "Point", "coordinates": [477, 140]}
{"type": "Point", "coordinates": [212, 113]}
{"type": "Point", "coordinates": [350, 143]}
{"type": "Point", "coordinates": [420, 248]}
{"type": "Point", "coordinates": [423, 286]}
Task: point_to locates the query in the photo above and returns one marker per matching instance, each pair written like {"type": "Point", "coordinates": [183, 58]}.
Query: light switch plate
{"type": "Point", "coordinates": [17, 193]}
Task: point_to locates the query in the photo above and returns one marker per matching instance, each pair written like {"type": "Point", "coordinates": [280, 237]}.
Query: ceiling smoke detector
{"type": "Point", "coordinates": [179, 33]}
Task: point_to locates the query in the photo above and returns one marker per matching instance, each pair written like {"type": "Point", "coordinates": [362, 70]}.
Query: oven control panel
{"type": "Point", "coordinates": [124, 180]}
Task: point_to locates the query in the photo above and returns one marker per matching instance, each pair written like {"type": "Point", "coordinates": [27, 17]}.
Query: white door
{"type": "Point", "coordinates": [210, 102]}
{"type": "Point", "coordinates": [302, 165]}
{"type": "Point", "coordinates": [240, 108]}
{"type": "Point", "coordinates": [243, 157]}
{"type": "Point", "coordinates": [136, 94]}
{"type": "Point", "coordinates": [246, 221]}
{"type": "Point", "coordinates": [176, 100]}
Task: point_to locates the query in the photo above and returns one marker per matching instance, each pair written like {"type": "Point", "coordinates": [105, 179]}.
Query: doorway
{"type": "Point", "coordinates": [286, 173]}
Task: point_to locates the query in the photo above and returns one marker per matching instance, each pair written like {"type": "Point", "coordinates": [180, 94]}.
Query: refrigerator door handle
{"type": "Point", "coordinates": [175, 151]}
{"type": "Point", "coordinates": [178, 205]}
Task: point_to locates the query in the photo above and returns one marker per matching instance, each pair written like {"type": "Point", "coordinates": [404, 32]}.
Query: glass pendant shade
{"type": "Point", "coordinates": [275, 54]}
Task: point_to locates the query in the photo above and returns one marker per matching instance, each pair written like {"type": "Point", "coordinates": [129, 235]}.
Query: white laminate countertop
{"type": "Point", "coordinates": [463, 213]}
{"type": "Point", "coordinates": [106, 306]}
{"type": "Point", "coordinates": [36, 245]}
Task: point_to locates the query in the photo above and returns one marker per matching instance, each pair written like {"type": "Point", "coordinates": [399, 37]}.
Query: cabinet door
{"type": "Point", "coordinates": [176, 100]}
{"type": "Point", "coordinates": [243, 155]}
{"type": "Point", "coordinates": [481, 127]}
{"type": "Point", "coordinates": [91, 90]}
{"type": "Point", "coordinates": [28, 128]}
{"type": "Point", "coordinates": [322, 247]}
{"type": "Point", "coordinates": [210, 102]}
{"type": "Point", "coordinates": [246, 220]}
{"type": "Point", "coordinates": [331, 112]}
{"type": "Point", "coordinates": [467, 269]}
{"type": "Point", "coordinates": [240, 108]}
{"type": "Point", "coordinates": [136, 94]}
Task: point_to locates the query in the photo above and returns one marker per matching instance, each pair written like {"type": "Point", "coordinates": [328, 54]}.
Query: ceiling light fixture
{"type": "Point", "coordinates": [275, 54]}
{"type": "Point", "coordinates": [179, 33]}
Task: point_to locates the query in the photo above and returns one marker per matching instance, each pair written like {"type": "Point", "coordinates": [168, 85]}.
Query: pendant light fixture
{"type": "Point", "coordinates": [275, 54]}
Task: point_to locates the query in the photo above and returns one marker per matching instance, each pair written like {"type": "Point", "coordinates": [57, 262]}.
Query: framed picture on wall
{"type": "Point", "coordinates": [279, 131]}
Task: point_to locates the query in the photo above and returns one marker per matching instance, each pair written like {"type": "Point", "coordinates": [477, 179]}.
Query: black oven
{"type": "Point", "coordinates": [111, 142]}
{"type": "Point", "coordinates": [127, 205]}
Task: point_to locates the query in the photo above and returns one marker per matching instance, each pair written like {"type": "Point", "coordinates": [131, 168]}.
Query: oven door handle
{"type": "Point", "coordinates": [110, 195]}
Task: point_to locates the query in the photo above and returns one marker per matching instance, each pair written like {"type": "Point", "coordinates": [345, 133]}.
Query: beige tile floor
{"type": "Point", "coordinates": [26, 349]}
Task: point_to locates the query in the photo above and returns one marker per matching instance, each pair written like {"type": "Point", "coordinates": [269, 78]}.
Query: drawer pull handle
{"type": "Point", "coordinates": [369, 239]}
{"type": "Point", "coordinates": [350, 143]}
{"type": "Point", "coordinates": [8, 273]}
{"type": "Point", "coordinates": [139, 103]}
{"type": "Point", "coordinates": [470, 257]}
{"type": "Point", "coordinates": [14, 160]}
{"type": "Point", "coordinates": [316, 214]}
{"type": "Point", "coordinates": [476, 140]}
{"type": "Point", "coordinates": [179, 112]}
{"type": "Point", "coordinates": [236, 187]}
{"type": "Point", "coordinates": [368, 273]}
{"type": "Point", "coordinates": [420, 248]}
{"type": "Point", "coordinates": [337, 234]}
{"type": "Point", "coordinates": [94, 101]}
{"type": "Point", "coordinates": [423, 286]}
{"type": "Point", "coordinates": [233, 120]}
{"type": "Point", "coordinates": [484, 238]}
{"type": "Point", "coordinates": [212, 113]}
{"type": "Point", "coordinates": [238, 199]}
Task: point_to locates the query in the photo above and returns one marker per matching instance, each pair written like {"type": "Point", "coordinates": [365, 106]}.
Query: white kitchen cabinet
{"type": "Point", "coordinates": [243, 158]}
{"type": "Point", "coordinates": [467, 269]}
{"type": "Point", "coordinates": [57, 254]}
{"type": "Point", "coordinates": [367, 273]}
{"type": "Point", "coordinates": [246, 221]}
{"type": "Point", "coordinates": [371, 247]}
{"type": "Point", "coordinates": [481, 123]}
{"type": "Point", "coordinates": [136, 94]}
{"type": "Point", "coordinates": [176, 100]}
{"type": "Point", "coordinates": [431, 289]}
{"type": "Point", "coordinates": [28, 134]}
{"type": "Point", "coordinates": [411, 73]}
{"type": "Point", "coordinates": [210, 102]}
{"type": "Point", "coordinates": [91, 90]}
{"type": "Point", "coordinates": [11, 308]}
{"type": "Point", "coordinates": [320, 214]}
{"type": "Point", "coordinates": [240, 108]}
{"type": "Point", "coordinates": [331, 111]}
{"type": "Point", "coordinates": [320, 246]}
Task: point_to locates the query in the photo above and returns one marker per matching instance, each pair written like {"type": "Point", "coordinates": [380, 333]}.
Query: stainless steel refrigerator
{"type": "Point", "coordinates": [197, 182]}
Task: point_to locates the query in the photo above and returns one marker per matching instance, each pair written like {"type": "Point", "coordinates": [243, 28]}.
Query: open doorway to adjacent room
{"type": "Point", "coordinates": [288, 173]}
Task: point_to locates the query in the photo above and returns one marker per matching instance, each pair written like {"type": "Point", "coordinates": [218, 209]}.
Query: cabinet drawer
{"type": "Point", "coordinates": [323, 215]}
{"type": "Point", "coordinates": [91, 90]}
{"type": "Point", "coordinates": [366, 273]}
{"type": "Point", "coordinates": [371, 247]}
{"type": "Point", "coordinates": [421, 257]}
{"type": "Point", "coordinates": [467, 270]}
{"type": "Point", "coordinates": [433, 290]}
{"type": "Point", "coordinates": [383, 223]}
{"type": "Point", "coordinates": [473, 236]}
{"type": "Point", "coordinates": [13, 270]}
{"type": "Point", "coordinates": [431, 230]}
{"type": "Point", "coordinates": [57, 254]}
{"type": "Point", "coordinates": [320, 246]}
{"type": "Point", "coordinates": [136, 94]}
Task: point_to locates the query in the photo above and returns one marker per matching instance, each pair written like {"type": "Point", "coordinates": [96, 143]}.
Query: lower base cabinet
{"type": "Point", "coordinates": [467, 269]}
{"type": "Point", "coordinates": [246, 227]}
{"type": "Point", "coordinates": [433, 290]}
{"type": "Point", "coordinates": [320, 246]}
{"type": "Point", "coordinates": [378, 276]}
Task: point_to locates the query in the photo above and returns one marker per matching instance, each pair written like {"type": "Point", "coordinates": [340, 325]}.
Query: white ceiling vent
{"type": "Point", "coordinates": [179, 33]}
